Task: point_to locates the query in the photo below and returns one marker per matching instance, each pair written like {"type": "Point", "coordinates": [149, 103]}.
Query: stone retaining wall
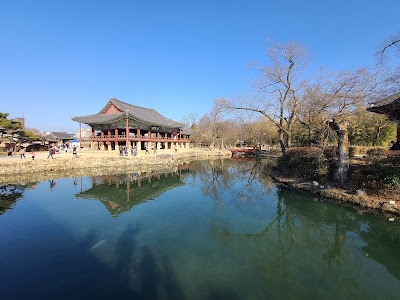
{"type": "Point", "coordinates": [37, 170]}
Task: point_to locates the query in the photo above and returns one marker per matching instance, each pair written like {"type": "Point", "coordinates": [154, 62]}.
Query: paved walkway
{"type": "Point", "coordinates": [42, 155]}
{"type": "Point", "coordinates": [61, 155]}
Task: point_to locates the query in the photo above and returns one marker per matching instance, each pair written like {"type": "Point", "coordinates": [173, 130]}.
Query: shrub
{"type": "Point", "coordinates": [355, 150]}
{"type": "Point", "coordinates": [377, 152]}
{"type": "Point", "coordinates": [304, 162]}
{"type": "Point", "coordinates": [330, 152]}
{"type": "Point", "coordinates": [381, 173]}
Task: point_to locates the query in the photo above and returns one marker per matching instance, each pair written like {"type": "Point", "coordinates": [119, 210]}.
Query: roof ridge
{"type": "Point", "coordinates": [112, 100]}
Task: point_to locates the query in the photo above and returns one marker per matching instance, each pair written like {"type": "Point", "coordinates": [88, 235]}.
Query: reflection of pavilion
{"type": "Point", "coordinates": [119, 193]}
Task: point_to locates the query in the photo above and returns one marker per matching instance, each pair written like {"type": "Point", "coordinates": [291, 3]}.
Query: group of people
{"type": "Point", "coordinates": [21, 153]}
{"type": "Point", "coordinates": [123, 151]}
{"type": "Point", "coordinates": [53, 150]}
{"type": "Point", "coordinates": [154, 148]}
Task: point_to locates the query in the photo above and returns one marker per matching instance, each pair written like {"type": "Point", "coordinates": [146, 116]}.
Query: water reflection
{"type": "Point", "coordinates": [212, 230]}
{"type": "Point", "coordinates": [10, 193]}
{"type": "Point", "coordinates": [119, 193]}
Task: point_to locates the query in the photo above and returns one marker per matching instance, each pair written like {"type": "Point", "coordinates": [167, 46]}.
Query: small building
{"type": "Point", "coordinates": [389, 106]}
{"type": "Point", "coordinates": [59, 139]}
{"type": "Point", "coordinates": [122, 124]}
{"type": "Point", "coordinates": [75, 143]}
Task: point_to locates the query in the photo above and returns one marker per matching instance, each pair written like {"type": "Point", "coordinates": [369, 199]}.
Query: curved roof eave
{"type": "Point", "coordinates": [98, 118]}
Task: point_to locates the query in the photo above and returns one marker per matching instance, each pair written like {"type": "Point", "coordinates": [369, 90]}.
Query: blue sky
{"type": "Point", "coordinates": [60, 59]}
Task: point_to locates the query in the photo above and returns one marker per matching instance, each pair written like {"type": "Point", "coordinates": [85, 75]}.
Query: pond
{"type": "Point", "coordinates": [217, 229]}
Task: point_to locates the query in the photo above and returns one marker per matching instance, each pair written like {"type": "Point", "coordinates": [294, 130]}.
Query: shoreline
{"type": "Point", "coordinates": [341, 196]}
{"type": "Point", "coordinates": [93, 163]}
{"type": "Point", "coordinates": [17, 170]}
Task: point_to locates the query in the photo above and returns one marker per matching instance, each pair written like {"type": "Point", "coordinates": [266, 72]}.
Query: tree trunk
{"type": "Point", "coordinates": [282, 142]}
{"type": "Point", "coordinates": [289, 138]}
{"type": "Point", "coordinates": [342, 168]}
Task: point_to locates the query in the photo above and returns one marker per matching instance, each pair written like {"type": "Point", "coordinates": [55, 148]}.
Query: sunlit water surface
{"type": "Point", "coordinates": [208, 230]}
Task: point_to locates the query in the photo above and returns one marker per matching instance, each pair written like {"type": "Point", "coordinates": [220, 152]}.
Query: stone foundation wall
{"type": "Point", "coordinates": [27, 170]}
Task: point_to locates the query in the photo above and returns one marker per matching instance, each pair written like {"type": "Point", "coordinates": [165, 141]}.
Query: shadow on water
{"type": "Point", "coordinates": [150, 275]}
{"type": "Point", "coordinates": [70, 270]}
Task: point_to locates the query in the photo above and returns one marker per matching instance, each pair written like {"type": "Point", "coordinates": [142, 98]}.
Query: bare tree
{"type": "Point", "coordinates": [211, 125]}
{"type": "Point", "coordinates": [343, 93]}
{"type": "Point", "coordinates": [255, 130]}
{"type": "Point", "coordinates": [280, 85]}
{"type": "Point", "coordinates": [392, 43]}
{"type": "Point", "coordinates": [387, 55]}
{"type": "Point", "coordinates": [190, 120]}
{"type": "Point", "coordinates": [312, 113]}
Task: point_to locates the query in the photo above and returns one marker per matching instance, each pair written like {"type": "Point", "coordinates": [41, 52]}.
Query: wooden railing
{"type": "Point", "coordinates": [135, 138]}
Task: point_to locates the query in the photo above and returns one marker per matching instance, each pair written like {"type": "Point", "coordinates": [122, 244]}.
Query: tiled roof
{"type": "Point", "coordinates": [388, 102]}
{"type": "Point", "coordinates": [142, 114]}
{"type": "Point", "coordinates": [98, 118]}
{"type": "Point", "coordinates": [63, 135]}
{"type": "Point", "coordinates": [56, 136]}
{"type": "Point", "coordinates": [187, 131]}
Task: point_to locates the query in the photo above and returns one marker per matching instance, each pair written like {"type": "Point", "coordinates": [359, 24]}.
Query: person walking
{"type": "Point", "coordinates": [50, 153]}
{"type": "Point", "coordinates": [33, 155]}
{"type": "Point", "coordinates": [9, 152]}
{"type": "Point", "coordinates": [133, 151]}
{"type": "Point", "coordinates": [75, 152]}
{"type": "Point", "coordinates": [22, 152]}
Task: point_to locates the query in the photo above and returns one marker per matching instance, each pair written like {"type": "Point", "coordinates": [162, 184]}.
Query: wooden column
{"type": "Point", "coordinates": [102, 138]}
{"type": "Point", "coordinates": [109, 148]}
{"type": "Point", "coordinates": [149, 143]}
{"type": "Point", "coordinates": [92, 142]}
{"type": "Point", "coordinates": [138, 143]}
{"type": "Point", "coordinates": [127, 131]}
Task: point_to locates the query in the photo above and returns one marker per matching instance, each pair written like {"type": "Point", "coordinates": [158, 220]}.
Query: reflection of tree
{"type": "Point", "coordinates": [218, 176]}
{"type": "Point", "coordinates": [257, 172]}
{"type": "Point", "coordinates": [298, 223]}
{"type": "Point", "coordinates": [9, 194]}
{"type": "Point", "coordinates": [383, 243]}
{"type": "Point", "coordinates": [277, 237]}
{"type": "Point", "coordinates": [215, 178]}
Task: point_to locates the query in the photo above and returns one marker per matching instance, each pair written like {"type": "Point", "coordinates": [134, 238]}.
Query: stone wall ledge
{"type": "Point", "coordinates": [20, 170]}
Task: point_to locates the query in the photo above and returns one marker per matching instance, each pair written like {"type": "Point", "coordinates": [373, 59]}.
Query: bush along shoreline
{"type": "Point", "coordinates": [374, 178]}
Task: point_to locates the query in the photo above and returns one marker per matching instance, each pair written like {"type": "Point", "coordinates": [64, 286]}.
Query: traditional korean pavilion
{"type": "Point", "coordinates": [122, 124]}
{"type": "Point", "coordinates": [389, 106]}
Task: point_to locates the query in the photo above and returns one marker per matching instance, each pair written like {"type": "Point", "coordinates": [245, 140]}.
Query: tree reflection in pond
{"type": "Point", "coordinates": [207, 230]}
{"type": "Point", "coordinates": [10, 193]}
